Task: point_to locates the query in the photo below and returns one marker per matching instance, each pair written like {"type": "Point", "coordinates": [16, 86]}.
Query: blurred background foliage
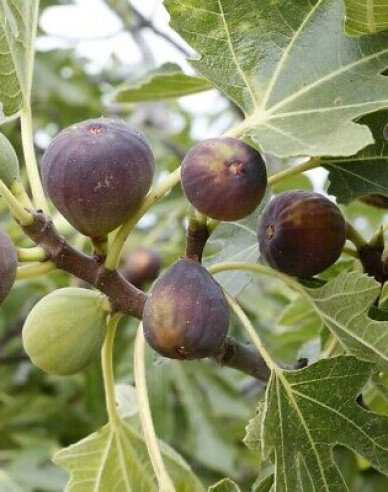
{"type": "Point", "coordinates": [198, 408]}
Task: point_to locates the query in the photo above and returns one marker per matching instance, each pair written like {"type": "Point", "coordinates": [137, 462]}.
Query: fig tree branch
{"type": "Point", "coordinates": [124, 297]}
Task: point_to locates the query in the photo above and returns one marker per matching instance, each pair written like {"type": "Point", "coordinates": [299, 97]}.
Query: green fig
{"type": "Point", "coordinates": [9, 164]}
{"type": "Point", "coordinates": [65, 330]}
{"type": "Point", "coordinates": [8, 264]}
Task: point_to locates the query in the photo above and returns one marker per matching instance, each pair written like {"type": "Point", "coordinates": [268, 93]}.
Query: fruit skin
{"type": "Point", "coordinates": [224, 178]}
{"type": "Point", "coordinates": [65, 330]}
{"type": "Point", "coordinates": [375, 200]}
{"type": "Point", "coordinates": [8, 264]}
{"type": "Point", "coordinates": [96, 173]}
{"type": "Point", "coordinates": [186, 315]}
{"type": "Point", "coordinates": [301, 233]}
{"type": "Point", "coordinates": [142, 265]}
{"type": "Point", "coordinates": [9, 164]}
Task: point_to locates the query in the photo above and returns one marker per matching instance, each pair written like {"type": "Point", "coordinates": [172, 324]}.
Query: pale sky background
{"type": "Point", "coordinates": [93, 30]}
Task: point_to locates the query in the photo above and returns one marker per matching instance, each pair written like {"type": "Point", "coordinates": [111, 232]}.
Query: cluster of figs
{"type": "Point", "coordinates": [96, 173]}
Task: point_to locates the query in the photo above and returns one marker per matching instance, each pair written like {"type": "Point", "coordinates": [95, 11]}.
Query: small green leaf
{"type": "Point", "coordinates": [343, 304]}
{"type": "Point", "coordinates": [167, 81]}
{"type": "Point", "coordinates": [366, 16]}
{"type": "Point", "coordinates": [252, 437]}
{"type": "Point", "coordinates": [18, 20]}
{"type": "Point", "coordinates": [300, 90]}
{"type": "Point", "coordinates": [310, 411]}
{"type": "Point", "coordinates": [116, 458]}
{"type": "Point", "coordinates": [366, 172]}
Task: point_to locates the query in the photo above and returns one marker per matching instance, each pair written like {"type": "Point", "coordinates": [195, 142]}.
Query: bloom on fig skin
{"type": "Point", "coordinates": [301, 233]}
{"type": "Point", "coordinates": [224, 178]}
{"type": "Point", "coordinates": [186, 315]}
{"type": "Point", "coordinates": [8, 264]}
{"type": "Point", "coordinates": [96, 173]}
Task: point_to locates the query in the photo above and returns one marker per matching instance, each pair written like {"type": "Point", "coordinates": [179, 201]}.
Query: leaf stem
{"type": "Point", "coordinates": [251, 331]}
{"type": "Point", "coordinates": [292, 171]}
{"type": "Point", "coordinates": [30, 160]}
{"type": "Point", "coordinates": [354, 236]}
{"type": "Point", "coordinates": [153, 196]}
{"type": "Point", "coordinates": [253, 267]}
{"type": "Point", "coordinates": [31, 254]}
{"type": "Point", "coordinates": [107, 369]}
{"type": "Point", "coordinates": [35, 269]}
{"type": "Point", "coordinates": [16, 208]}
{"type": "Point", "coordinates": [164, 479]}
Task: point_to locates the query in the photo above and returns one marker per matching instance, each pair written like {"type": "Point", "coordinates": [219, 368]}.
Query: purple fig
{"type": "Point", "coordinates": [96, 173]}
{"type": "Point", "coordinates": [186, 315]}
{"type": "Point", "coordinates": [224, 178]}
{"type": "Point", "coordinates": [142, 265]}
{"type": "Point", "coordinates": [301, 233]}
{"type": "Point", "coordinates": [8, 264]}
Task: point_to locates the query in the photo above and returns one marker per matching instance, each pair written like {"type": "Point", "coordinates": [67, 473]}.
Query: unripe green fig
{"type": "Point", "coordinates": [96, 173]}
{"type": "Point", "coordinates": [186, 315]}
{"type": "Point", "coordinates": [8, 264]}
{"type": "Point", "coordinates": [301, 233]}
{"type": "Point", "coordinates": [65, 330]}
{"type": "Point", "coordinates": [9, 164]}
{"type": "Point", "coordinates": [224, 178]}
{"type": "Point", "coordinates": [142, 265]}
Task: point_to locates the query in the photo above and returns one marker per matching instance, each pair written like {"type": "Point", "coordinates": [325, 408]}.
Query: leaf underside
{"type": "Point", "coordinates": [308, 412]}
{"type": "Point", "coordinates": [300, 80]}
{"type": "Point", "coordinates": [17, 32]}
{"type": "Point", "coordinates": [343, 305]}
{"type": "Point", "coordinates": [366, 16]}
{"type": "Point", "coordinates": [115, 458]}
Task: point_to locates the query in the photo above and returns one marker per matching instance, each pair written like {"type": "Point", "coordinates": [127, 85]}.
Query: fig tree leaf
{"type": "Point", "coordinates": [299, 90]}
{"type": "Point", "coordinates": [310, 411]}
{"type": "Point", "coordinates": [343, 304]}
{"type": "Point", "coordinates": [367, 171]}
{"type": "Point", "coordinates": [18, 20]}
{"type": "Point", "coordinates": [225, 485]}
{"type": "Point", "coordinates": [365, 16]}
{"type": "Point", "coordinates": [167, 81]}
{"type": "Point", "coordinates": [116, 458]}
{"type": "Point", "coordinates": [235, 241]}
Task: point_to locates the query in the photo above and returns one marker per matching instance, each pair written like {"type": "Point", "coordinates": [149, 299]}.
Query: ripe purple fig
{"type": "Point", "coordinates": [224, 178]}
{"type": "Point", "coordinates": [96, 173]}
{"type": "Point", "coordinates": [186, 315]}
{"type": "Point", "coordinates": [8, 264]}
{"type": "Point", "coordinates": [142, 265]}
{"type": "Point", "coordinates": [301, 233]}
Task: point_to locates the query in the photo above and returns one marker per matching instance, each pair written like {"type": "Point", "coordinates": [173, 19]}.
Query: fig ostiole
{"type": "Point", "coordinates": [9, 163]}
{"type": "Point", "coordinates": [301, 233]}
{"type": "Point", "coordinates": [8, 264]}
{"type": "Point", "coordinates": [65, 330]}
{"type": "Point", "coordinates": [186, 315]}
{"type": "Point", "coordinates": [224, 178]}
{"type": "Point", "coordinates": [96, 173]}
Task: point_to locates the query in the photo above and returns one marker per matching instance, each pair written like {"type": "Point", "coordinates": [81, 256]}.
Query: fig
{"type": "Point", "coordinates": [301, 233]}
{"type": "Point", "coordinates": [96, 173]}
{"type": "Point", "coordinates": [186, 315]}
{"type": "Point", "coordinates": [8, 264]}
{"type": "Point", "coordinates": [9, 164]}
{"type": "Point", "coordinates": [224, 178]}
{"type": "Point", "coordinates": [142, 265]}
{"type": "Point", "coordinates": [65, 330]}
{"type": "Point", "coordinates": [375, 200]}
